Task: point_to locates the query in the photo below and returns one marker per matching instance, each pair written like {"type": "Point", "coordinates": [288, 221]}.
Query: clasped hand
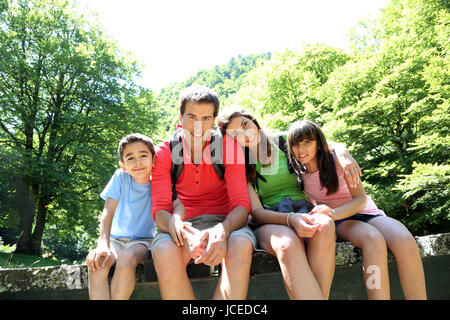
{"type": "Point", "coordinates": [304, 224]}
{"type": "Point", "coordinates": [208, 246]}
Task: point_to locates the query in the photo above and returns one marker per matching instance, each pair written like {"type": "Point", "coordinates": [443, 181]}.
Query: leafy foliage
{"type": "Point", "coordinates": [67, 97]}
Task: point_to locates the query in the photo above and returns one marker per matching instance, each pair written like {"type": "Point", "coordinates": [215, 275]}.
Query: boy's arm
{"type": "Point", "coordinates": [98, 257]}
{"type": "Point", "coordinates": [106, 221]}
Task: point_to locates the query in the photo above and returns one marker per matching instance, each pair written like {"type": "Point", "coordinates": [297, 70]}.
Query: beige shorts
{"type": "Point", "coordinates": [120, 244]}
{"type": "Point", "coordinates": [204, 222]}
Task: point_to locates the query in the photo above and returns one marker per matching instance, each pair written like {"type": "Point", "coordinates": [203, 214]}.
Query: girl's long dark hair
{"type": "Point", "coordinates": [224, 120]}
{"type": "Point", "coordinates": [308, 130]}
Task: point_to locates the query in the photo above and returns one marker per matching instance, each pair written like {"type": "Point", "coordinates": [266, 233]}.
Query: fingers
{"type": "Point", "coordinates": [89, 261]}
{"type": "Point", "coordinates": [177, 231]}
{"type": "Point", "coordinates": [307, 227]}
{"type": "Point", "coordinates": [210, 257]}
{"type": "Point", "coordinates": [98, 260]}
{"type": "Point", "coordinates": [214, 251]}
{"type": "Point", "coordinates": [175, 236]}
{"type": "Point", "coordinates": [105, 260]}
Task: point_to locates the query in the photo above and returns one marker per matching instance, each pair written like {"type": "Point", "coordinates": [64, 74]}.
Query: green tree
{"type": "Point", "coordinates": [67, 96]}
{"type": "Point", "coordinates": [225, 79]}
{"type": "Point", "coordinates": [284, 88]}
{"type": "Point", "coordinates": [392, 104]}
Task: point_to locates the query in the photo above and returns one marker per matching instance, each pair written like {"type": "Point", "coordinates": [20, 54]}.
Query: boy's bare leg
{"type": "Point", "coordinates": [98, 282]}
{"type": "Point", "coordinates": [234, 278]}
{"type": "Point", "coordinates": [170, 264]}
{"type": "Point", "coordinates": [124, 278]}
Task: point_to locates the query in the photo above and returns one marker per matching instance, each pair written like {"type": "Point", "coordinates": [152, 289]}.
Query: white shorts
{"type": "Point", "coordinates": [120, 244]}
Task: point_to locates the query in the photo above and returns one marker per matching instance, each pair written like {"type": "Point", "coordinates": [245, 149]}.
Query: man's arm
{"type": "Point", "coordinates": [162, 187]}
{"type": "Point", "coordinates": [346, 164]}
{"type": "Point", "coordinates": [239, 202]}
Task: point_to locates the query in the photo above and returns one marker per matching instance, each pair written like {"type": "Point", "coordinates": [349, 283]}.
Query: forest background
{"type": "Point", "coordinates": [68, 93]}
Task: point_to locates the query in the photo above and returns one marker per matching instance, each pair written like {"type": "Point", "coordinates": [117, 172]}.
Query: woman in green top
{"type": "Point", "coordinates": [304, 244]}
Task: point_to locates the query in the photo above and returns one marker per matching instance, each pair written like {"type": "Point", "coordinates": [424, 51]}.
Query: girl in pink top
{"type": "Point", "coordinates": [357, 218]}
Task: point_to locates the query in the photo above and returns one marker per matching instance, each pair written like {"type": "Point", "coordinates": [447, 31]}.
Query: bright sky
{"type": "Point", "coordinates": [176, 38]}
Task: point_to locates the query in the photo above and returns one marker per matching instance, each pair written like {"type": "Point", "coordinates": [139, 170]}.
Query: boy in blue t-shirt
{"type": "Point", "coordinates": [126, 224]}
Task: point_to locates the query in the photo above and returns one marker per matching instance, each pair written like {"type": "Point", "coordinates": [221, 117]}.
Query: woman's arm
{"type": "Point", "coordinates": [263, 215]}
{"type": "Point", "coordinates": [302, 224]}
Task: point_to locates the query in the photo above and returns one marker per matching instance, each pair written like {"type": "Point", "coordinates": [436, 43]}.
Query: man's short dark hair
{"type": "Point", "coordinates": [132, 138]}
{"type": "Point", "coordinates": [199, 94]}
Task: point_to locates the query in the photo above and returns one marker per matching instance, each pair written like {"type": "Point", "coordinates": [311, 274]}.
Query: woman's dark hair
{"type": "Point", "coordinates": [199, 94]}
{"type": "Point", "coordinates": [308, 130]}
{"type": "Point", "coordinates": [225, 117]}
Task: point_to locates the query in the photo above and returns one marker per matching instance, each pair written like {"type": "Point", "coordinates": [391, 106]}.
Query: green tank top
{"type": "Point", "coordinates": [280, 182]}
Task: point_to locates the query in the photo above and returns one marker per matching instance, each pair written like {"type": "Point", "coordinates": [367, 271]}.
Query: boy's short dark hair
{"type": "Point", "coordinates": [132, 138]}
{"type": "Point", "coordinates": [199, 94]}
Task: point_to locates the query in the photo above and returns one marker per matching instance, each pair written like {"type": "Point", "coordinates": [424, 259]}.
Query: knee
{"type": "Point", "coordinates": [403, 243]}
{"type": "Point", "coordinates": [287, 246]}
{"type": "Point", "coordinates": [375, 242]}
{"type": "Point", "coordinates": [163, 253]}
{"type": "Point", "coordinates": [99, 274]}
{"type": "Point", "coordinates": [239, 248]}
{"type": "Point", "coordinates": [126, 261]}
{"type": "Point", "coordinates": [327, 230]}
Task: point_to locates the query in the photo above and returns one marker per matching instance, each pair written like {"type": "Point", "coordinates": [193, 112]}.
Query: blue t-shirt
{"type": "Point", "coordinates": [133, 217]}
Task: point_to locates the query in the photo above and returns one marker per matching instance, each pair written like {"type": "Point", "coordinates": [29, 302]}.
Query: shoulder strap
{"type": "Point", "coordinates": [283, 146]}
{"type": "Point", "coordinates": [216, 149]}
{"type": "Point", "coordinates": [176, 150]}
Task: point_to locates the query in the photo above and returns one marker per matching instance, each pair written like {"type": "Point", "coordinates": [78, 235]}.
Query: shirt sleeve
{"type": "Point", "coordinates": [114, 187]}
{"type": "Point", "coordinates": [235, 177]}
{"type": "Point", "coordinates": [161, 180]}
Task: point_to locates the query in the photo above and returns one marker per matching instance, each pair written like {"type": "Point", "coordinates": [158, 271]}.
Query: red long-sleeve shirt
{"type": "Point", "coordinates": [199, 187]}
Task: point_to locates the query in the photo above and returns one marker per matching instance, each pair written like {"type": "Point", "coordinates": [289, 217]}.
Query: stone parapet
{"type": "Point", "coordinates": [67, 277]}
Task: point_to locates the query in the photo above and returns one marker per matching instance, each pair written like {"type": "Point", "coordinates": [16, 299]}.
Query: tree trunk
{"type": "Point", "coordinates": [36, 241]}
{"type": "Point", "coordinates": [26, 207]}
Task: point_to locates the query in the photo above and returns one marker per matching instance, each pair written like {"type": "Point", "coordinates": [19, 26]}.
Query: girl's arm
{"type": "Point", "coordinates": [302, 224]}
{"type": "Point", "coordinates": [352, 207]}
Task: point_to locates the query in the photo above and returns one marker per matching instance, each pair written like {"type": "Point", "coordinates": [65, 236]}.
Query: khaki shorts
{"type": "Point", "coordinates": [204, 222]}
{"type": "Point", "coordinates": [119, 244]}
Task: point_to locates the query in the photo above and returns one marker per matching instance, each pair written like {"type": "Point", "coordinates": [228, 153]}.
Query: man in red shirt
{"type": "Point", "coordinates": [217, 206]}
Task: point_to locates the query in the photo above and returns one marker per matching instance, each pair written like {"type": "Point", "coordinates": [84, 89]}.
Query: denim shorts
{"type": "Point", "coordinates": [358, 217]}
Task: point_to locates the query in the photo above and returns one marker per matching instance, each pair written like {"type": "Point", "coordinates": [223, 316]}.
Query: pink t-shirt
{"type": "Point", "coordinates": [314, 191]}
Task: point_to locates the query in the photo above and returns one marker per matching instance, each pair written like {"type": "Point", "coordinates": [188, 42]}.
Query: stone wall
{"type": "Point", "coordinates": [23, 282]}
